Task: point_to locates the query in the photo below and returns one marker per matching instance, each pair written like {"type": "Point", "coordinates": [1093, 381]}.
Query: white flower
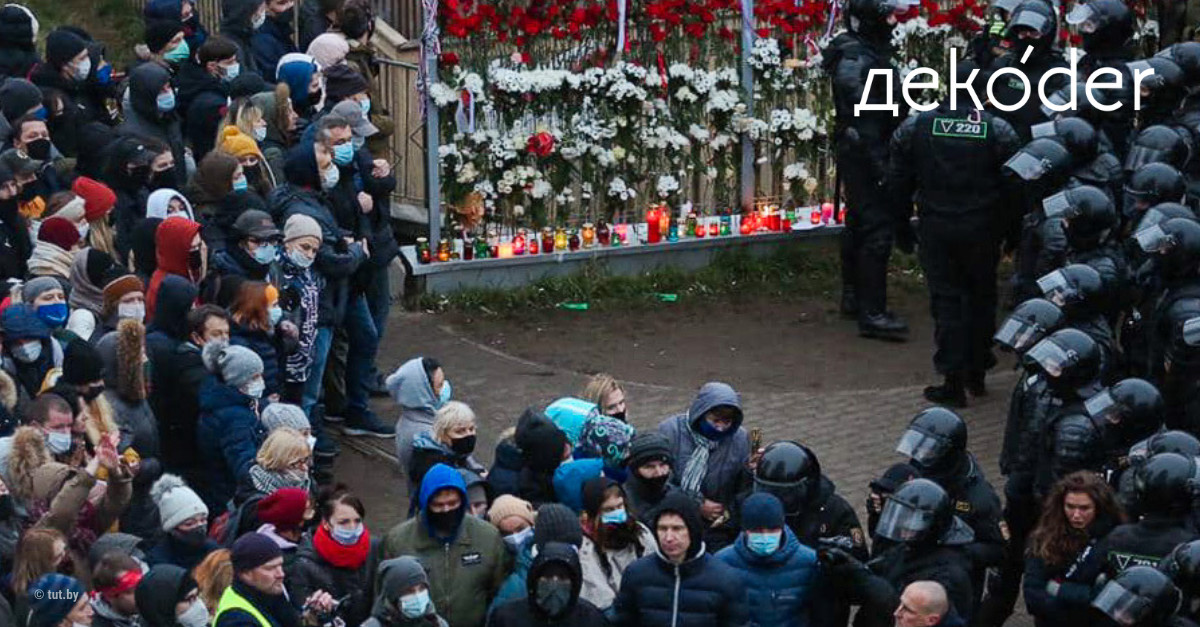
{"type": "Point", "coordinates": [443, 94]}
{"type": "Point", "coordinates": [541, 189]}
{"type": "Point", "coordinates": [618, 189]}
{"type": "Point", "coordinates": [795, 171]}
{"type": "Point", "coordinates": [698, 133]}
{"type": "Point", "coordinates": [685, 95]}
{"type": "Point", "coordinates": [667, 185]}
{"type": "Point", "coordinates": [467, 173]}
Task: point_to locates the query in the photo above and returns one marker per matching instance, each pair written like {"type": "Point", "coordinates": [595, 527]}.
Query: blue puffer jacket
{"type": "Point", "coordinates": [779, 587]}
{"type": "Point", "coordinates": [514, 585]}
{"type": "Point", "coordinates": [264, 345]}
{"type": "Point", "coordinates": [270, 42]}
{"type": "Point", "coordinates": [701, 592]}
{"type": "Point", "coordinates": [229, 435]}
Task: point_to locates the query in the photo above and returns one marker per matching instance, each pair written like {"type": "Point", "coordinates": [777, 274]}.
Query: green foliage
{"type": "Point", "coordinates": [116, 23]}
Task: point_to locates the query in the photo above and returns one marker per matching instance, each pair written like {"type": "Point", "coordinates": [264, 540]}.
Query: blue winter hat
{"type": "Point", "coordinates": [21, 322]}
{"type": "Point", "coordinates": [570, 415]}
{"type": "Point", "coordinates": [51, 598]}
{"type": "Point", "coordinates": [762, 511]}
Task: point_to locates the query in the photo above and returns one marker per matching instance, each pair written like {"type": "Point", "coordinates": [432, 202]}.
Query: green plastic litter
{"type": "Point", "coordinates": [667, 298]}
{"type": "Point", "coordinates": [574, 306]}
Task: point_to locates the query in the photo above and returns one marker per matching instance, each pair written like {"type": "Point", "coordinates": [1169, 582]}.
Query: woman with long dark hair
{"type": "Point", "coordinates": [1063, 562]}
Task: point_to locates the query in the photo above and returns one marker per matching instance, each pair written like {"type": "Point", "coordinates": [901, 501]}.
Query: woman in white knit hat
{"type": "Point", "coordinates": [184, 521]}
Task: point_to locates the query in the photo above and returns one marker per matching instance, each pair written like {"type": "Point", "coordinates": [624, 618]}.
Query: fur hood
{"type": "Point", "coordinates": [122, 353]}
{"type": "Point", "coordinates": [8, 391]}
{"type": "Point", "coordinates": [29, 453]}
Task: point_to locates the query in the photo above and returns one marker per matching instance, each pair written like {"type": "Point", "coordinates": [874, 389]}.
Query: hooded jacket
{"type": "Point", "coordinates": [505, 474]}
{"type": "Point", "coordinates": [464, 571]}
{"type": "Point", "coordinates": [15, 245]}
{"type": "Point", "coordinates": [236, 26]}
{"type": "Point", "coordinates": [603, 572]}
{"type": "Point", "coordinates": [395, 576]}
{"type": "Point", "coordinates": [173, 244]}
{"type": "Point", "coordinates": [203, 100]}
{"type": "Point", "coordinates": [427, 452]}
{"type": "Point", "coordinates": [64, 128]}
{"type": "Point", "coordinates": [277, 143]}
{"type": "Point", "coordinates": [270, 42]}
{"type": "Point", "coordinates": [229, 434]}
{"type": "Point", "coordinates": [726, 461]}
{"type": "Point", "coordinates": [779, 586]}
{"type": "Point", "coordinates": [336, 260]}
{"type": "Point", "coordinates": [175, 380]}
{"type": "Point", "coordinates": [700, 592]}
{"type": "Point", "coordinates": [158, 593]}
{"type": "Point", "coordinates": [193, 31]}
{"type": "Point", "coordinates": [18, 35]}
{"type": "Point", "coordinates": [411, 389]}
{"type": "Point", "coordinates": [526, 612]}
{"type": "Point", "coordinates": [142, 118]}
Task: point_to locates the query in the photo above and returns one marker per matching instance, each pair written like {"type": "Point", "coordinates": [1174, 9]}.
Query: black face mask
{"type": "Point", "coordinates": [192, 539]}
{"type": "Point", "coordinates": [253, 175]}
{"type": "Point", "coordinates": [619, 416]}
{"type": "Point", "coordinates": [657, 483]}
{"type": "Point", "coordinates": [91, 393]}
{"type": "Point", "coordinates": [163, 179]}
{"type": "Point", "coordinates": [443, 523]}
{"type": "Point", "coordinates": [39, 149]}
{"type": "Point", "coordinates": [463, 445]}
{"type": "Point", "coordinates": [195, 262]}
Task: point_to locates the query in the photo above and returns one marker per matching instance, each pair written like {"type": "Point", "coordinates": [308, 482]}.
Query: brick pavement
{"type": "Point", "coordinates": [853, 432]}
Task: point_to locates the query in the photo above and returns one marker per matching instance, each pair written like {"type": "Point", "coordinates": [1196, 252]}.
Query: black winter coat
{"type": "Point", "coordinates": [310, 572]}
{"type": "Point", "coordinates": [1072, 603]}
{"type": "Point", "coordinates": [877, 587]}
{"type": "Point", "coordinates": [1144, 543]}
{"type": "Point", "coordinates": [203, 100]}
{"type": "Point", "coordinates": [701, 592]}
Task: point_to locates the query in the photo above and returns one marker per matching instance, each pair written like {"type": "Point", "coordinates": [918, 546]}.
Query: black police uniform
{"type": "Point", "coordinates": [1108, 47]}
{"type": "Point", "coordinates": [950, 162]}
{"type": "Point", "coordinates": [828, 515]}
{"type": "Point", "coordinates": [1008, 89]}
{"type": "Point", "coordinates": [862, 143]}
{"type": "Point", "coordinates": [1163, 490]}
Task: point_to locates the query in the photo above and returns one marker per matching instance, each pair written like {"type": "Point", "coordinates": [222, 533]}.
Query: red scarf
{"type": "Point", "coordinates": [341, 556]}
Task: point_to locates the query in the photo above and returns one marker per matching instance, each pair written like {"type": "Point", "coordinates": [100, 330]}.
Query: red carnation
{"type": "Point", "coordinates": [449, 58]}
{"type": "Point", "coordinates": [540, 144]}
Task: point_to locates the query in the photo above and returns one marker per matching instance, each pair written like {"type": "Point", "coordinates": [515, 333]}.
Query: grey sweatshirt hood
{"type": "Point", "coordinates": [715, 394]}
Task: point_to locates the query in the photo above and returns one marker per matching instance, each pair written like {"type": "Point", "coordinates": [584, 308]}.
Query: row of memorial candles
{"type": "Point", "coordinates": [660, 224]}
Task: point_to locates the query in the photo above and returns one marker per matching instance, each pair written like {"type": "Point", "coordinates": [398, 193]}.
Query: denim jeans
{"type": "Point", "coordinates": [364, 343]}
{"type": "Point", "coordinates": [312, 387]}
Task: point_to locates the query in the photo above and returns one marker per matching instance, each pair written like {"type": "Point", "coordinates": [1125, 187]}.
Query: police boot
{"type": "Point", "coordinates": [882, 326]}
{"type": "Point", "coordinates": [976, 384]}
{"type": "Point", "coordinates": [952, 393]}
{"type": "Point", "coordinates": [849, 308]}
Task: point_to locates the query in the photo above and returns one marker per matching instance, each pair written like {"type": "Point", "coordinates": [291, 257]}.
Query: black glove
{"type": "Point", "coordinates": [838, 561]}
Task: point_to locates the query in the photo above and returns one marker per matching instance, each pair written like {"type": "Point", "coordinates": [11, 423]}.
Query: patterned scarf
{"type": "Point", "coordinates": [267, 482]}
{"type": "Point", "coordinates": [697, 465]}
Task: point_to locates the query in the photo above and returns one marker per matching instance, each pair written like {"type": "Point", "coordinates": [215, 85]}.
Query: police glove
{"type": "Point", "coordinates": [839, 562]}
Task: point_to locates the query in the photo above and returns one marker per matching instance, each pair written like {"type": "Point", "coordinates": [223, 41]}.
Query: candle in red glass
{"type": "Point", "coordinates": [827, 212]}
{"type": "Point", "coordinates": [518, 244]}
{"type": "Point", "coordinates": [494, 251]}
{"type": "Point", "coordinates": [815, 216]}
{"type": "Point", "coordinates": [653, 220]}
{"type": "Point", "coordinates": [533, 245]}
{"type": "Point", "coordinates": [603, 233]}
{"type": "Point", "coordinates": [714, 230]}
{"type": "Point", "coordinates": [701, 229]}
{"type": "Point", "coordinates": [774, 220]}
{"type": "Point", "coordinates": [747, 224]}
{"type": "Point", "coordinates": [842, 215]}
{"type": "Point", "coordinates": [787, 225]}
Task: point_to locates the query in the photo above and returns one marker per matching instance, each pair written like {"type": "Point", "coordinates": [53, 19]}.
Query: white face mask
{"type": "Point", "coordinates": [260, 133]}
{"type": "Point", "coordinates": [83, 69]}
{"type": "Point", "coordinates": [133, 311]}
{"type": "Point", "coordinates": [27, 352]}
{"type": "Point", "coordinates": [83, 230]}
{"type": "Point", "coordinates": [58, 442]}
{"type": "Point", "coordinates": [300, 259]}
{"type": "Point", "coordinates": [312, 442]}
{"type": "Point", "coordinates": [195, 616]}
{"type": "Point", "coordinates": [258, 20]}
{"type": "Point", "coordinates": [255, 388]}
{"type": "Point", "coordinates": [330, 177]}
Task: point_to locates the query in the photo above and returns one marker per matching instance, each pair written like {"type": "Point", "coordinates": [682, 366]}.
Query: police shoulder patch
{"type": "Point", "coordinates": [471, 559]}
{"type": "Point", "coordinates": [962, 506]}
{"type": "Point", "coordinates": [957, 127]}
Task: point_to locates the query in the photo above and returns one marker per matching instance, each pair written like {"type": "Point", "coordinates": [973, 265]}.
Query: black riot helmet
{"type": "Point", "coordinates": [1033, 23]}
{"type": "Point", "coordinates": [1152, 184]}
{"type": "Point", "coordinates": [1077, 134]}
{"type": "Point", "coordinates": [1088, 215]}
{"type": "Point", "coordinates": [1106, 25]}
{"type": "Point", "coordinates": [1166, 484]}
{"type": "Point", "coordinates": [1183, 346]}
{"type": "Point", "coordinates": [1173, 441]}
{"type": "Point", "coordinates": [1157, 144]}
{"type": "Point", "coordinates": [1182, 565]}
{"type": "Point", "coordinates": [935, 442]}
{"type": "Point", "coordinates": [1078, 445]}
{"type": "Point", "coordinates": [789, 471]}
{"type": "Point", "coordinates": [1139, 596]}
{"type": "Point", "coordinates": [1134, 406]}
{"type": "Point", "coordinates": [871, 17]}
{"type": "Point", "coordinates": [1070, 360]}
{"type": "Point", "coordinates": [1162, 212]}
{"type": "Point", "coordinates": [1028, 323]}
{"type": "Point", "coordinates": [1175, 244]}
{"type": "Point", "coordinates": [1186, 55]}
{"type": "Point", "coordinates": [1042, 159]}
{"type": "Point", "coordinates": [920, 512]}
{"type": "Point", "coordinates": [1078, 289]}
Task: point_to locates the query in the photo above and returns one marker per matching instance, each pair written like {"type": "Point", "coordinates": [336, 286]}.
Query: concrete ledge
{"type": "Point", "coordinates": [687, 255]}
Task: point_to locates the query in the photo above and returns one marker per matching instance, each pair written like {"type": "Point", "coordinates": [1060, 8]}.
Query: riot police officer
{"type": "Point", "coordinates": [1174, 249]}
{"type": "Point", "coordinates": [1164, 493]}
{"type": "Point", "coordinates": [918, 538]}
{"type": "Point", "coordinates": [1088, 216]}
{"type": "Point", "coordinates": [1140, 597]}
{"type": "Point", "coordinates": [1158, 144]}
{"type": "Point", "coordinates": [1131, 410]}
{"type": "Point", "coordinates": [1183, 567]}
{"type": "Point", "coordinates": [1187, 56]}
{"type": "Point", "coordinates": [1027, 325]}
{"type": "Point", "coordinates": [813, 508]}
{"type": "Point", "coordinates": [949, 160]}
{"type": "Point", "coordinates": [1162, 91]}
{"type": "Point", "coordinates": [990, 44]}
{"type": "Point", "coordinates": [1084, 297]}
{"type": "Point", "coordinates": [1164, 441]}
{"type": "Point", "coordinates": [862, 143]}
{"type": "Point", "coordinates": [1041, 167]}
{"type": "Point", "coordinates": [1181, 365]}
{"type": "Point", "coordinates": [1032, 24]}
{"type": "Point", "coordinates": [1150, 185]}
{"type": "Point", "coordinates": [1107, 27]}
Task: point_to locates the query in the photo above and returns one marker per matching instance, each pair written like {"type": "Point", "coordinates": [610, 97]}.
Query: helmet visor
{"type": "Point", "coordinates": [1084, 17]}
{"type": "Point", "coordinates": [1058, 99]}
{"type": "Point", "coordinates": [1153, 240]}
{"type": "Point", "coordinates": [1121, 605]}
{"type": "Point", "coordinates": [1044, 129]}
{"type": "Point", "coordinates": [1019, 335]}
{"type": "Point", "coordinates": [901, 522]}
{"type": "Point", "coordinates": [922, 447]}
{"type": "Point", "coordinates": [1027, 166]}
{"type": "Point", "coordinates": [1150, 218]}
{"type": "Point", "coordinates": [1191, 332]}
{"type": "Point", "coordinates": [1141, 155]}
{"type": "Point", "coordinates": [1058, 206]}
{"type": "Point", "coordinates": [1055, 288]}
{"type": "Point", "coordinates": [901, 6]}
{"type": "Point", "coordinates": [1050, 357]}
{"type": "Point", "coordinates": [1103, 406]}
{"type": "Point", "coordinates": [1031, 20]}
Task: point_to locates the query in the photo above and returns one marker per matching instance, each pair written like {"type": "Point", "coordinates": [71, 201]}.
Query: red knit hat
{"type": "Point", "coordinates": [284, 508]}
{"type": "Point", "coordinates": [99, 199]}
{"type": "Point", "coordinates": [60, 232]}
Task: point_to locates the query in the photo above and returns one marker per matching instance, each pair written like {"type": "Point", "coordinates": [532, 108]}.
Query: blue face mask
{"type": "Point", "coordinates": [415, 605]}
{"type": "Point", "coordinates": [231, 72]}
{"type": "Point", "coordinates": [712, 433]}
{"type": "Point", "coordinates": [366, 106]}
{"type": "Point", "coordinates": [104, 75]}
{"type": "Point", "coordinates": [275, 314]}
{"type": "Point", "coordinates": [54, 315]}
{"type": "Point", "coordinates": [347, 537]}
{"type": "Point", "coordinates": [343, 154]}
{"type": "Point", "coordinates": [763, 543]}
{"type": "Point", "coordinates": [444, 397]}
{"type": "Point", "coordinates": [40, 114]}
{"type": "Point", "coordinates": [265, 253]}
{"type": "Point", "coordinates": [179, 53]}
{"type": "Point", "coordinates": [615, 517]}
{"type": "Point", "coordinates": [166, 102]}
{"type": "Point", "coordinates": [240, 184]}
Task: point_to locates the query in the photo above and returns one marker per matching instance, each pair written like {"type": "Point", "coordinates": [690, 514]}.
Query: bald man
{"type": "Point", "coordinates": [925, 604]}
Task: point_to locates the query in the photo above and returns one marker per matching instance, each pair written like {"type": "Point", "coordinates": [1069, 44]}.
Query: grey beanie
{"type": "Point", "coordinates": [557, 523]}
{"type": "Point", "coordinates": [395, 576]}
{"type": "Point", "coordinates": [36, 287]}
{"type": "Point", "coordinates": [235, 365]}
{"type": "Point", "coordinates": [278, 415]}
